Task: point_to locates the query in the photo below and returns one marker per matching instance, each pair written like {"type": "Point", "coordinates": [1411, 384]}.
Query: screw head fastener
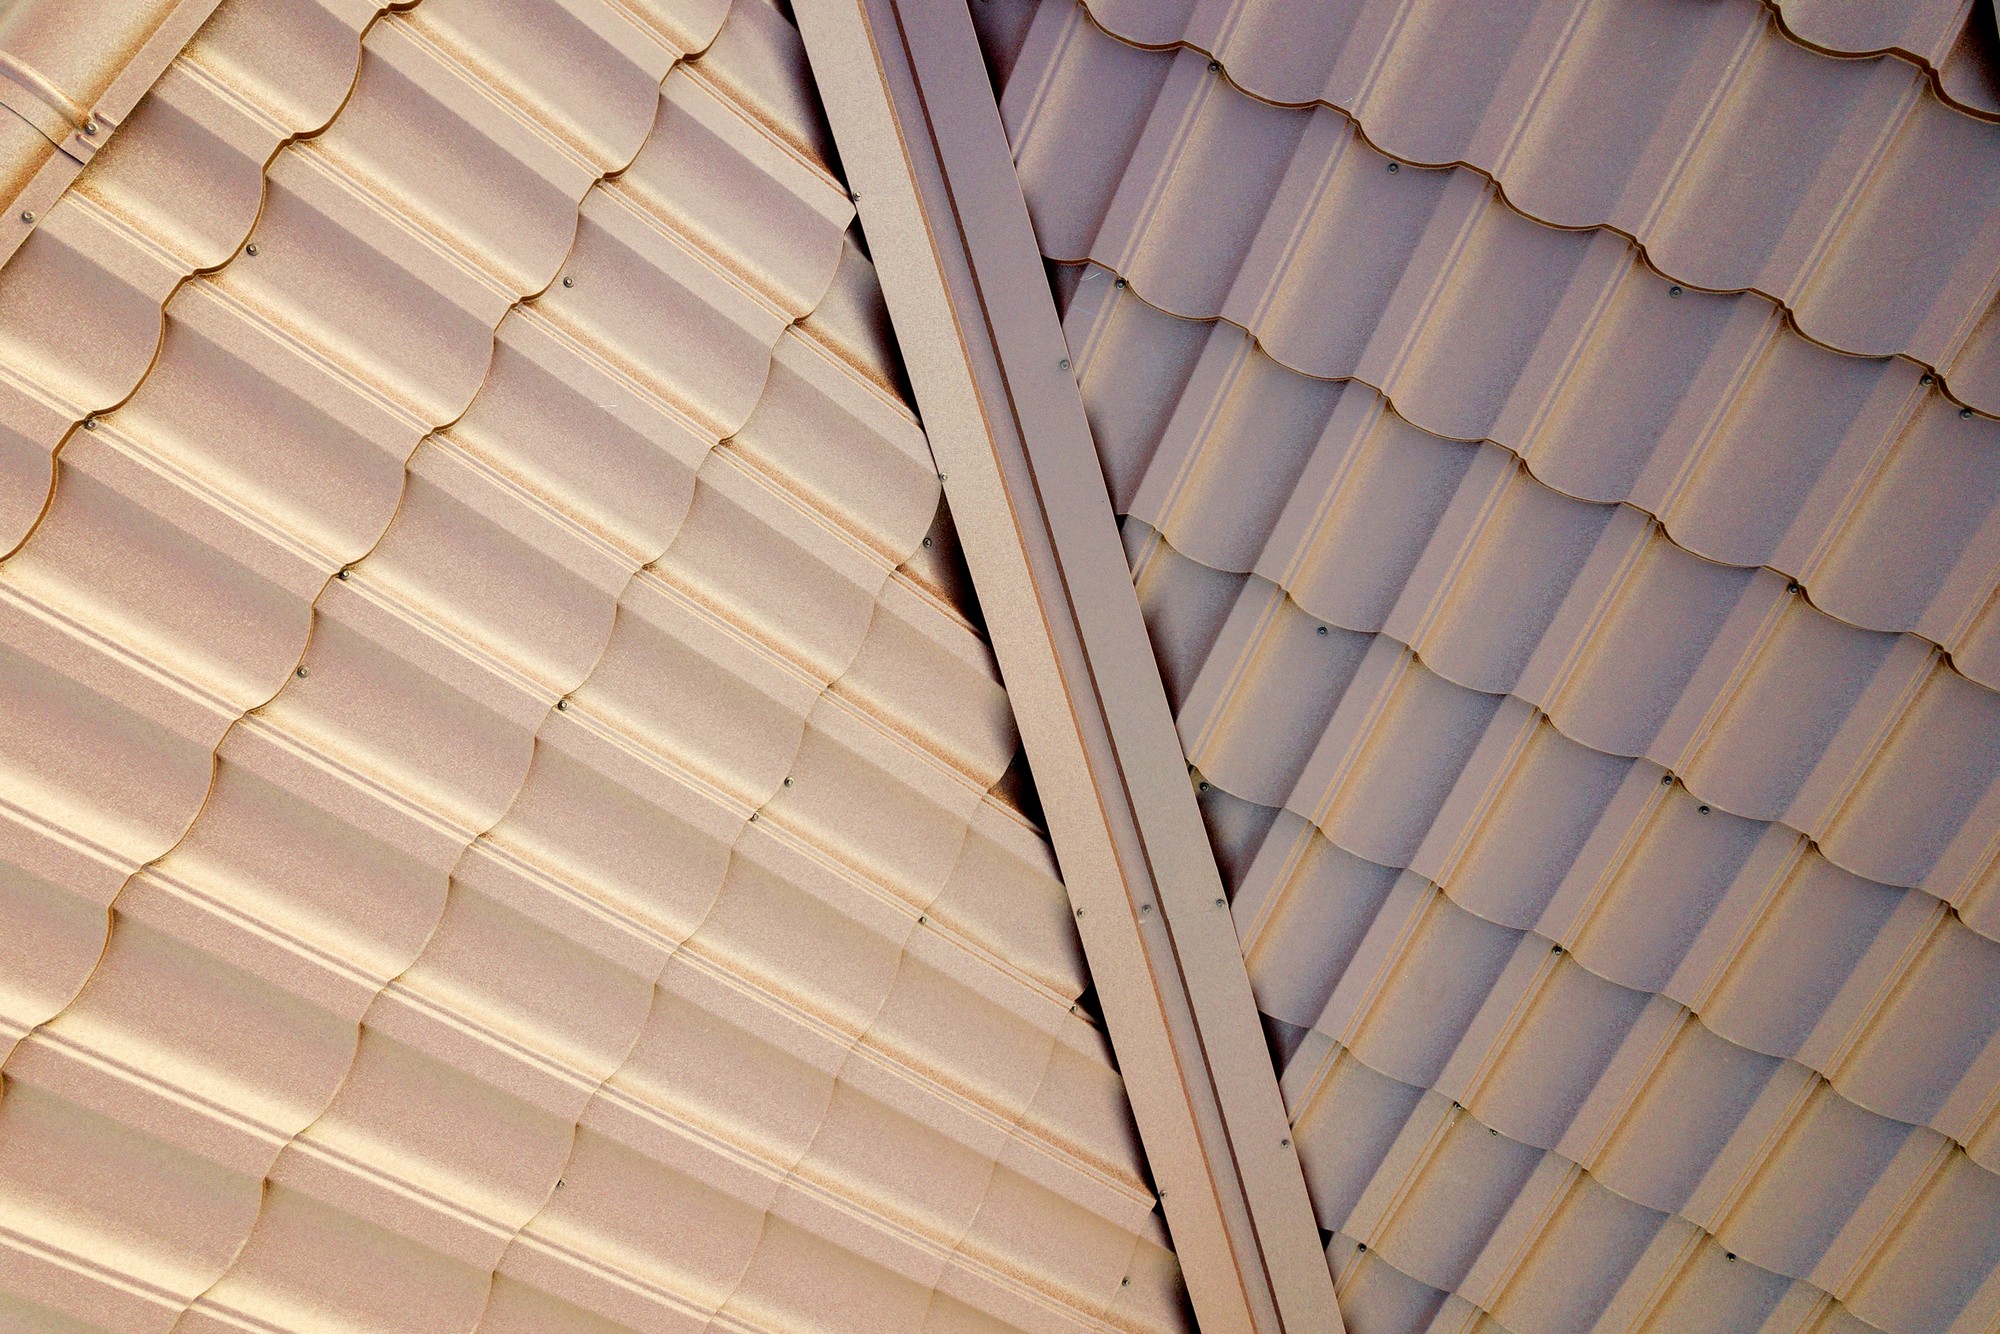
{"type": "Point", "coordinates": [568, 281]}
{"type": "Point", "coordinates": [562, 706]}
{"type": "Point", "coordinates": [1675, 290]}
{"type": "Point", "coordinates": [1322, 632]}
{"type": "Point", "coordinates": [1927, 379]}
{"type": "Point", "coordinates": [1395, 167]}
{"type": "Point", "coordinates": [90, 127]}
{"type": "Point", "coordinates": [90, 423]}
{"type": "Point", "coordinates": [251, 250]}
{"type": "Point", "coordinates": [344, 575]}
{"type": "Point", "coordinates": [27, 215]}
{"type": "Point", "coordinates": [1063, 364]}
{"type": "Point", "coordinates": [1222, 903]}
{"type": "Point", "coordinates": [301, 671]}
{"type": "Point", "coordinates": [1965, 412]}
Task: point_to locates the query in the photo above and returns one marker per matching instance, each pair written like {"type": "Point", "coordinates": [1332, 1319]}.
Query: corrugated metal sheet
{"type": "Point", "coordinates": [503, 804]}
{"type": "Point", "coordinates": [1558, 450]}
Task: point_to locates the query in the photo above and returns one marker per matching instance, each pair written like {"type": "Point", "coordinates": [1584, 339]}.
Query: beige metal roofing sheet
{"type": "Point", "coordinates": [504, 814]}
{"type": "Point", "coordinates": [1557, 449]}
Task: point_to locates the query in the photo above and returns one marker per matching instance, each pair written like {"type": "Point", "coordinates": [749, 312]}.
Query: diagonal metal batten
{"type": "Point", "coordinates": [920, 137]}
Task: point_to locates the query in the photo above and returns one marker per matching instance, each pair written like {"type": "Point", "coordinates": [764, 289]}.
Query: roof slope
{"type": "Point", "coordinates": [501, 788]}
{"type": "Point", "coordinates": [1557, 448]}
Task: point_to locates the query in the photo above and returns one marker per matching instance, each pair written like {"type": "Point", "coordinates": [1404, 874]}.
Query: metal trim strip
{"type": "Point", "coordinates": [920, 137]}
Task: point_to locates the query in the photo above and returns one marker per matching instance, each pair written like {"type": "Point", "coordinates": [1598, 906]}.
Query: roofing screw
{"type": "Point", "coordinates": [90, 127]}
{"type": "Point", "coordinates": [1063, 364]}
{"type": "Point", "coordinates": [344, 575]}
{"type": "Point", "coordinates": [753, 817]}
{"type": "Point", "coordinates": [1666, 780]}
{"type": "Point", "coordinates": [1145, 907]}
{"type": "Point", "coordinates": [1965, 412]}
{"type": "Point", "coordinates": [1322, 632]}
{"type": "Point", "coordinates": [1214, 66]}
{"type": "Point", "coordinates": [1553, 949]}
{"type": "Point", "coordinates": [1729, 1256]}
{"type": "Point", "coordinates": [1119, 283]}
{"type": "Point", "coordinates": [921, 919]}
{"type": "Point", "coordinates": [1361, 1248]}
{"type": "Point", "coordinates": [1675, 290]}
{"type": "Point", "coordinates": [1124, 1282]}
{"type": "Point", "coordinates": [1079, 912]}
{"type": "Point", "coordinates": [1204, 787]}
{"type": "Point", "coordinates": [943, 477]}
{"type": "Point", "coordinates": [927, 541]}
{"type": "Point", "coordinates": [1072, 1009]}
{"type": "Point", "coordinates": [1222, 903]}
{"type": "Point", "coordinates": [301, 671]}
{"type": "Point", "coordinates": [1927, 379]}
{"type": "Point", "coordinates": [1491, 1131]}
{"type": "Point", "coordinates": [90, 423]}
{"type": "Point", "coordinates": [562, 706]}
{"type": "Point", "coordinates": [27, 215]}
{"type": "Point", "coordinates": [1395, 167]}
{"type": "Point", "coordinates": [251, 250]}
{"type": "Point", "coordinates": [788, 781]}
{"type": "Point", "coordinates": [1285, 1143]}
{"type": "Point", "coordinates": [1703, 808]}
{"type": "Point", "coordinates": [568, 281]}
{"type": "Point", "coordinates": [558, 1183]}
{"type": "Point", "coordinates": [1795, 588]}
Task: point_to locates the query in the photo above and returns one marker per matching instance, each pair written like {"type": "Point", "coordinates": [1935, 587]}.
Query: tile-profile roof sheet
{"type": "Point", "coordinates": [503, 804]}
{"type": "Point", "coordinates": [1557, 458]}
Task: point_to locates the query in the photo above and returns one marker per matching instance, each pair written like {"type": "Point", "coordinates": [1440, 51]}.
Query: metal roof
{"type": "Point", "coordinates": [505, 802]}
{"type": "Point", "coordinates": [1555, 452]}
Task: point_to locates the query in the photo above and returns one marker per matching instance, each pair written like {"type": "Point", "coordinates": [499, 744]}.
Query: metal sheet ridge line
{"type": "Point", "coordinates": [918, 129]}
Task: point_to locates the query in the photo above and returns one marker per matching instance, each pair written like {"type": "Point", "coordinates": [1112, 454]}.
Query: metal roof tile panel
{"type": "Point", "coordinates": [1311, 169]}
{"type": "Point", "coordinates": [1556, 647]}
{"type": "Point", "coordinates": [1667, 148]}
{"type": "Point", "coordinates": [413, 691]}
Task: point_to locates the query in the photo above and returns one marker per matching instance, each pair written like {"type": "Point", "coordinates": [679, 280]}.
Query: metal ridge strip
{"type": "Point", "coordinates": [919, 134]}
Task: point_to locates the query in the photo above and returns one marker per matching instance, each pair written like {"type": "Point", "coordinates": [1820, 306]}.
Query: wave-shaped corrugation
{"type": "Point", "coordinates": [1857, 483]}
{"type": "Point", "coordinates": [1534, 843]}
{"type": "Point", "coordinates": [1754, 446]}
{"type": "Point", "coordinates": [1613, 857]}
{"type": "Point", "coordinates": [1426, 1201]}
{"type": "Point", "coordinates": [115, 782]}
{"type": "Point", "coordinates": [1423, 1184]}
{"type": "Point", "coordinates": [338, 873]}
{"type": "Point", "coordinates": [1372, 525]}
{"type": "Point", "coordinates": [1124, 151]}
{"type": "Point", "coordinates": [1955, 41]}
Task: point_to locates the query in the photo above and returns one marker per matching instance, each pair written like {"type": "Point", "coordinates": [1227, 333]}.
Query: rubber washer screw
{"type": "Point", "coordinates": [1395, 167]}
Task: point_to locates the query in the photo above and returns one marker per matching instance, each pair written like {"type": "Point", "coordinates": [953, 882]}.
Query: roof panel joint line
{"type": "Point", "coordinates": [919, 133]}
